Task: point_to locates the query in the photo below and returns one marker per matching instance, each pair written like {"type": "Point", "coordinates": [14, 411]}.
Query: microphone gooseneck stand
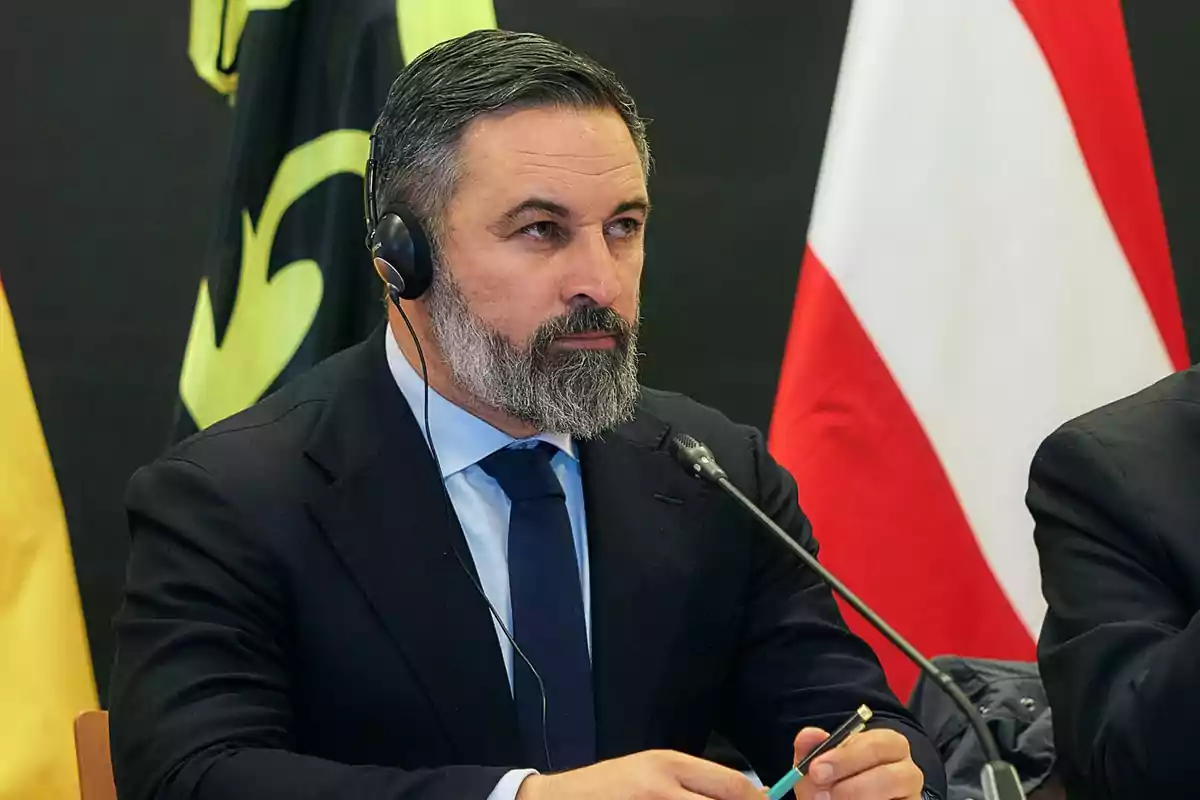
{"type": "Point", "coordinates": [999, 779]}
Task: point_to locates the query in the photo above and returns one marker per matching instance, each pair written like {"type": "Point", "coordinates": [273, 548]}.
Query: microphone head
{"type": "Point", "coordinates": [695, 457]}
{"type": "Point", "coordinates": [684, 448]}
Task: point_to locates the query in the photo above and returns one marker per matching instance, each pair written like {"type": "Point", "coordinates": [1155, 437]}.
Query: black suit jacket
{"type": "Point", "coordinates": [1116, 498]}
{"type": "Point", "coordinates": [296, 624]}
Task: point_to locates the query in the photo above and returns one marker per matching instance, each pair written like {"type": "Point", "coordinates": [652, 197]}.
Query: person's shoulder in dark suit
{"type": "Point", "coordinates": [735, 445]}
{"type": "Point", "coordinates": [267, 438]}
{"type": "Point", "coordinates": [1115, 495]}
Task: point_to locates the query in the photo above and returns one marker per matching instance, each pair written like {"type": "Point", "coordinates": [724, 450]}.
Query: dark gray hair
{"type": "Point", "coordinates": [446, 87]}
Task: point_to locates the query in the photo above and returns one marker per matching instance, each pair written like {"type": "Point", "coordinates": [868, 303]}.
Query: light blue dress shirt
{"type": "Point", "coordinates": [462, 440]}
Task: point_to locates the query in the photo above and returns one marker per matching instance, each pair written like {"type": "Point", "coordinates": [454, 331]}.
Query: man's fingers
{"type": "Point", "coordinates": [901, 780]}
{"type": "Point", "coordinates": [805, 741]}
{"type": "Point", "coordinates": [858, 754]}
{"type": "Point", "coordinates": [712, 781]}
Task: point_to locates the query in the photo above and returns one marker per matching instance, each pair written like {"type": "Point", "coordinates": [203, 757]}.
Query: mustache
{"type": "Point", "coordinates": [587, 319]}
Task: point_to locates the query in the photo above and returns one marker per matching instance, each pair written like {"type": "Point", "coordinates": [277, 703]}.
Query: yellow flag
{"type": "Point", "coordinates": [45, 670]}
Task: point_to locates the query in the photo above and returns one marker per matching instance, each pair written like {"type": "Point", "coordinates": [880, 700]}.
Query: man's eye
{"type": "Point", "coordinates": [625, 227]}
{"type": "Point", "coordinates": [542, 231]}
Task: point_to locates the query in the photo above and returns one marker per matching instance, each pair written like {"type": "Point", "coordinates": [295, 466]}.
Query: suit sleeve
{"type": "Point", "coordinates": [1119, 647]}
{"type": "Point", "coordinates": [199, 696]}
{"type": "Point", "coordinates": [799, 665]}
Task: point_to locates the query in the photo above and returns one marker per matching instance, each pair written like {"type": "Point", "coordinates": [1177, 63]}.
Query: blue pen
{"type": "Point", "coordinates": [847, 729]}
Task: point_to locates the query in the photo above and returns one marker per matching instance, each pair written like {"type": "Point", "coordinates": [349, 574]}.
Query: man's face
{"type": "Point", "coordinates": [547, 216]}
{"type": "Point", "coordinates": [535, 298]}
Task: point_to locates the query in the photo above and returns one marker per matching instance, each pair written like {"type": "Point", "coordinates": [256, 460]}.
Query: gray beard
{"type": "Point", "coordinates": [580, 393]}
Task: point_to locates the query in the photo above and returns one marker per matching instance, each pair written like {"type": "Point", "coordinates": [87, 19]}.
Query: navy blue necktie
{"type": "Point", "coordinates": [547, 611]}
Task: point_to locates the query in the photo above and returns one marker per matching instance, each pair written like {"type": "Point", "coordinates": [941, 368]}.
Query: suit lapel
{"type": "Point", "coordinates": [385, 514]}
{"type": "Point", "coordinates": [638, 501]}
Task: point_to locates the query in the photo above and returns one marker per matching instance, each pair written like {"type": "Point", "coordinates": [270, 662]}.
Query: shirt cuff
{"type": "Point", "coordinates": [510, 784]}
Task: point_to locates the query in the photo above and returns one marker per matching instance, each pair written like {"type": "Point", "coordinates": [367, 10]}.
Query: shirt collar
{"type": "Point", "coordinates": [461, 438]}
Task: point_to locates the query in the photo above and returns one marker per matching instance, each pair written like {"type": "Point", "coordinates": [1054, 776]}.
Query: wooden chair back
{"type": "Point", "coordinates": [94, 757]}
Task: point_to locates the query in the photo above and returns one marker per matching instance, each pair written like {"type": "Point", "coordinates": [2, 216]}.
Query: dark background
{"type": "Point", "coordinates": [114, 155]}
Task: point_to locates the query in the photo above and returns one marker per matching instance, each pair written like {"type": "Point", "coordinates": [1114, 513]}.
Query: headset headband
{"type": "Point", "coordinates": [369, 208]}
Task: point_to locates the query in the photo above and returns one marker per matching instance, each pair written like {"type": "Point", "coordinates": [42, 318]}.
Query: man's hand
{"type": "Point", "coordinates": [872, 765]}
{"type": "Point", "coordinates": [653, 775]}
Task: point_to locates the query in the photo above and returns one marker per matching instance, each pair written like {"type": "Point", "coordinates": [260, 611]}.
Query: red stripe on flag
{"type": "Point", "coordinates": [1088, 53]}
{"type": "Point", "coordinates": [880, 503]}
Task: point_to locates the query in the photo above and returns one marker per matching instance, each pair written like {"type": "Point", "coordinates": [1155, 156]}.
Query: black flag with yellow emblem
{"type": "Point", "coordinates": [287, 281]}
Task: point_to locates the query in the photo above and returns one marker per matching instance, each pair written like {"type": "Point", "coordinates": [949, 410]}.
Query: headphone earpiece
{"type": "Point", "coordinates": [401, 252]}
{"type": "Point", "coordinates": [398, 244]}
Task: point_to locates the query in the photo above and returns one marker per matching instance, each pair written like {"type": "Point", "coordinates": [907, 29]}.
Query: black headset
{"type": "Point", "coordinates": [398, 244]}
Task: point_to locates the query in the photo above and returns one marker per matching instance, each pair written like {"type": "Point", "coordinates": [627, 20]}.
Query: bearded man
{"type": "Point", "coordinates": [458, 560]}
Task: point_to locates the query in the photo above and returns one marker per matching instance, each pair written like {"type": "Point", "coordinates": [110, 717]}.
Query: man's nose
{"type": "Point", "coordinates": [594, 274]}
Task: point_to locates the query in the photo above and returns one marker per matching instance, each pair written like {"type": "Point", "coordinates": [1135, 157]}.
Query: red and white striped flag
{"type": "Point", "coordinates": [986, 259]}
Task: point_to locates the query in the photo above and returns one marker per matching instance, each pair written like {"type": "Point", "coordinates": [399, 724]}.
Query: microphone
{"type": "Point", "coordinates": [999, 778]}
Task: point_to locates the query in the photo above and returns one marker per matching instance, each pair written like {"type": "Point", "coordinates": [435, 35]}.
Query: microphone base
{"type": "Point", "coordinates": [1000, 782]}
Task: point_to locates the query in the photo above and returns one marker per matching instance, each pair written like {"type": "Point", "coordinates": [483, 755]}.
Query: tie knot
{"type": "Point", "coordinates": [524, 473]}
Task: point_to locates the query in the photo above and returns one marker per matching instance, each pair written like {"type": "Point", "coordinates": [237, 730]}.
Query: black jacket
{"type": "Point", "coordinates": [1010, 698]}
{"type": "Point", "coordinates": [295, 624]}
{"type": "Point", "coordinates": [1116, 498]}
